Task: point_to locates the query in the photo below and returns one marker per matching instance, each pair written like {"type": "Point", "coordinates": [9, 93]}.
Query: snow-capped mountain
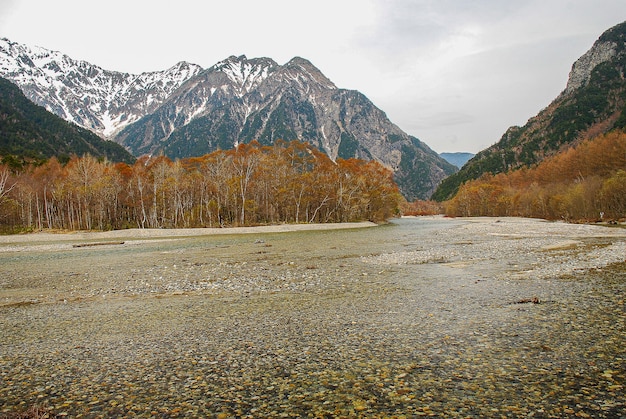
{"type": "Point", "coordinates": [100, 100]}
{"type": "Point", "coordinates": [239, 100]}
{"type": "Point", "coordinates": [189, 111]}
{"type": "Point", "coordinates": [230, 103]}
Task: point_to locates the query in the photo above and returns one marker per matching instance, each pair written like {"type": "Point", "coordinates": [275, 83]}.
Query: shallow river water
{"type": "Point", "coordinates": [421, 317]}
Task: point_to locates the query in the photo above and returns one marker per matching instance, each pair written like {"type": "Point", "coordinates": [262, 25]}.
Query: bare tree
{"type": "Point", "coordinates": [5, 185]}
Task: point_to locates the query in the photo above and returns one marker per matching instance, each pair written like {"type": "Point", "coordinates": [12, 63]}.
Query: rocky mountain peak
{"type": "Point", "coordinates": [245, 74]}
{"type": "Point", "coordinates": [605, 49]}
{"type": "Point", "coordinates": [183, 68]}
{"type": "Point", "coordinates": [301, 69]}
{"type": "Point", "coordinates": [580, 74]}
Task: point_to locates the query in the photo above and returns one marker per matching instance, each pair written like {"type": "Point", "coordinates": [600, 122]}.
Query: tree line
{"type": "Point", "coordinates": [586, 182]}
{"type": "Point", "coordinates": [248, 185]}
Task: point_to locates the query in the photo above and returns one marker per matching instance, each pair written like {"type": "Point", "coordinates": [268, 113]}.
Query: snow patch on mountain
{"type": "Point", "coordinates": [245, 74]}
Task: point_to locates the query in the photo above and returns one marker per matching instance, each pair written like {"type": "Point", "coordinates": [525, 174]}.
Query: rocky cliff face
{"type": "Point", "coordinates": [582, 69]}
{"type": "Point", "coordinates": [593, 102]}
{"type": "Point", "coordinates": [187, 111]}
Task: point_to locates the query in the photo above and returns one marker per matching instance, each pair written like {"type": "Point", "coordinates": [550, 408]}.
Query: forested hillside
{"type": "Point", "coordinates": [30, 134]}
{"type": "Point", "coordinates": [587, 182]}
{"type": "Point", "coordinates": [594, 102]}
{"type": "Point", "coordinates": [248, 185]}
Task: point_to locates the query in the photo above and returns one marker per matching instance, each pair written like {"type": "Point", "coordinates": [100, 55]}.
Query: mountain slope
{"type": "Point", "coordinates": [586, 182]}
{"type": "Point", "coordinates": [239, 100]}
{"type": "Point", "coordinates": [29, 133]}
{"type": "Point", "coordinates": [187, 111]}
{"type": "Point", "coordinates": [593, 102]}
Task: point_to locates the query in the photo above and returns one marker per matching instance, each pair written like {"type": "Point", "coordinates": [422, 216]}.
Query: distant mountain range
{"type": "Point", "coordinates": [31, 134]}
{"type": "Point", "coordinates": [593, 102]}
{"type": "Point", "coordinates": [190, 111]}
{"type": "Point", "coordinates": [457, 159]}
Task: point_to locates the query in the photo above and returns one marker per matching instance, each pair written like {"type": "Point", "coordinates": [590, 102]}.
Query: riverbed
{"type": "Point", "coordinates": [428, 316]}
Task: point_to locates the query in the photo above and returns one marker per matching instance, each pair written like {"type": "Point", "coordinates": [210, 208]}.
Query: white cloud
{"type": "Point", "coordinates": [453, 73]}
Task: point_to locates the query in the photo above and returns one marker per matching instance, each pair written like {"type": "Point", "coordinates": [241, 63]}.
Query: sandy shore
{"type": "Point", "coordinates": [135, 233]}
{"type": "Point", "coordinates": [515, 226]}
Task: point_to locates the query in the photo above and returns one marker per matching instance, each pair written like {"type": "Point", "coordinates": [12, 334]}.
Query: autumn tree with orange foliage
{"type": "Point", "coordinates": [587, 182]}
{"type": "Point", "coordinates": [248, 185]}
{"type": "Point", "coordinates": [421, 207]}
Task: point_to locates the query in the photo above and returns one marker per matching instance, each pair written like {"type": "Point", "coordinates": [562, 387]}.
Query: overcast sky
{"type": "Point", "coordinates": [454, 73]}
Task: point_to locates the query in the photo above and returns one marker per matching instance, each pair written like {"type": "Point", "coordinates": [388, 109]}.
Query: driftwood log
{"type": "Point", "coordinates": [96, 244]}
{"type": "Point", "coordinates": [533, 300]}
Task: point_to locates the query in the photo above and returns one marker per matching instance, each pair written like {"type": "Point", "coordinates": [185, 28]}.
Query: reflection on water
{"type": "Point", "coordinates": [398, 320]}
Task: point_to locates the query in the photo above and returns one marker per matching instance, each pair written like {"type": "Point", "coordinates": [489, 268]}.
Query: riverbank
{"type": "Point", "coordinates": [174, 232]}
